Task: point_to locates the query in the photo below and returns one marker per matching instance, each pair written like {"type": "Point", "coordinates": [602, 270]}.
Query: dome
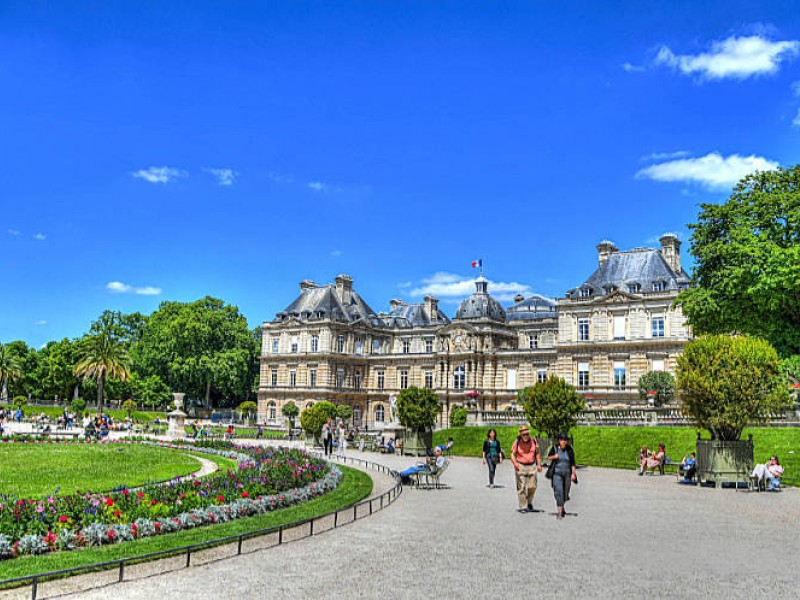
{"type": "Point", "coordinates": [481, 305]}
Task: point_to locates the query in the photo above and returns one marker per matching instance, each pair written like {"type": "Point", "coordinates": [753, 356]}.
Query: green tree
{"type": "Point", "coordinates": [552, 406]}
{"type": "Point", "coordinates": [660, 382]}
{"type": "Point", "coordinates": [312, 419]}
{"type": "Point", "coordinates": [9, 369]}
{"type": "Point", "coordinates": [290, 411]}
{"type": "Point", "coordinates": [151, 391]}
{"type": "Point", "coordinates": [248, 408]}
{"type": "Point", "coordinates": [791, 375]}
{"type": "Point", "coordinates": [417, 408]}
{"type": "Point", "coordinates": [202, 348]}
{"type": "Point", "coordinates": [56, 370]}
{"type": "Point", "coordinates": [102, 356]}
{"type": "Point", "coordinates": [726, 383]}
{"type": "Point", "coordinates": [458, 416]}
{"type": "Point", "coordinates": [747, 262]}
{"type": "Point", "coordinates": [78, 406]}
{"type": "Point", "coordinates": [344, 412]}
{"type": "Point", "coordinates": [129, 406]}
{"type": "Point", "coordinates": [27, 383]}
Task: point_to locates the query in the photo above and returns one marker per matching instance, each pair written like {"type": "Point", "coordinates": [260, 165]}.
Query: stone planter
{"type": "Point", "coordinates": [721, 462]}
{"type": "Point", "coordinates": [417, 443]}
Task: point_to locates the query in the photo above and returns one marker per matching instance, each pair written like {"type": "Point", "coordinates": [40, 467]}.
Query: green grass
{"type": "Point", "coordinates": [56, 411]}
{"type": "Point", "coordinates": [618, 447]}
{"type": "Point", "coordinates": [356, 485]}
{"type": "Point", "coordinates": [37, 470]}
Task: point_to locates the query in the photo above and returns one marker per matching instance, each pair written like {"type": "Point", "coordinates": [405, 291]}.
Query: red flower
{"type": "Point", "coordinates": [152, 502]}
{"type": "Point", "coordinates": [220, 498]}
{"type": "Point", "coordinates": [140, 494]}
{"type": "Point", "coordinates": [245, 495]}
{"type": "Point", "coordinates": [125, 492]}
{"type": "Point", "coordinates": [63, 519]}
{"type": "Point", "coordinates": [117, 513]}
{"type": "Point", "coordinates": [109, 502]}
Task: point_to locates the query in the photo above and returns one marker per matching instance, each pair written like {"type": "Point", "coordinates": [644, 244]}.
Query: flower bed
{"type": "Point", "coordinates": [266, 479]}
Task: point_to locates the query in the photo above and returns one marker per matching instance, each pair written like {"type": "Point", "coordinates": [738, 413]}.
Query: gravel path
{"type": "Point", "coordinates": [629, 536]}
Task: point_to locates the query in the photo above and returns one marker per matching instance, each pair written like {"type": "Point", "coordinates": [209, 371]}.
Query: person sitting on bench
{"type": "Point", "coordinates": [654, 460]}
{"type": "Point", "coordinates": [431, 465]}
{"type": "Point", "coordinates": [689, 468]}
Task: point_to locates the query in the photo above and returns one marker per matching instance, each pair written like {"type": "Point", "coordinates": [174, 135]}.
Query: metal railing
{"type": "Point", "coordinates": [305, 528]}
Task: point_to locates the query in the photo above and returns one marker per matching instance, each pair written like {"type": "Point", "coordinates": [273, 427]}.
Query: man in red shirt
{"type": "Point", "coordinates": [527, 462]}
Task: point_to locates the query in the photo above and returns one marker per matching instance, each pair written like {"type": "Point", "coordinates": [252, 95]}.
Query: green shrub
{"type": "Point", "coordinates": [660, 382]}
{"type": "Point", "coordinates": [458, 416]}
{"type": "Point", "coordinates": [418, 408]}
{"type": "Point", "coordinates": [312, 419]}
{"type": "Point", "coordinates": [78, 406]}
{"type": "Point", "coordinates": [344, 412]}
{"type": "Point", "coordinates": [552, 406]}
{"type": "Point", "coordinates": [248, 408]}
{"type": "Point", "coordinates": [19, 401]}
{"type": "Point", "coordinates": [129, 406]}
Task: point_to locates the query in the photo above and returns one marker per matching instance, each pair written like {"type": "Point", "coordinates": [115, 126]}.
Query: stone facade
{"type": "Point", "coordinates": [330, 345]}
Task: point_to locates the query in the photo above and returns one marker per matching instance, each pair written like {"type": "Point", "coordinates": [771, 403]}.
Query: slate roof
{"type": "Point", "coordinates": [481, 305]}
{"type": "Point", "coordinates": [406, 316]}
{"type": "Point", "coordinates": [534, 307]}
{"type": "Point", "coordinates": [323, 302]}
{"type": "Point", "coordinates": [625, 270]}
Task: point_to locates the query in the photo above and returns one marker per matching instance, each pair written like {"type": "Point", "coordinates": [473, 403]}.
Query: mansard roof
{"type": "Point", "coordinates": [406, 316]}
{"type": "Point", "coordinates": [625, 270]}
{"type": "Point", "coordinates": [533, 307]}
{"type": "Point", "coordinates": [481, 305]}
{"type": "Point", "coordinates": [323, 302]}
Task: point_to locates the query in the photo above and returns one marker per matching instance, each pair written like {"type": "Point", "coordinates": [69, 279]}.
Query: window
{"type": "Point", "coordinates": [381, 379]}
{"type": "Point", "coordinates": [406, 346]}
{"type": "Point", "coordinates": [403, 379]}
{"type": "Point", "coordinates": [658, 364]}
{"type": "Point", "coordinates": [634, 288]}
{"type": "Point", "coordinates": [511, 379]}
{"type": "Point", "coordinates": [274, 345]}
{"type": "Point", "coordinates": [340, 343]}
{"type": "Point", "coordinates": [315, 343]}
{"type": "Point", "coordinates": [312, 378]}
{"type": "Point", "coordinates": [357, 380]}
{"type": "Point", "coordinates": [541, 375]}
{"type": "Point", "coordinates": [273, 410]}
{"type": "Point", "coordinates": [429, 379]}
{"type": "Point", "coordinates": [376, 346]}
{"type": "Point", "coordinates": [583, 375]}
{"type": "Point", "coordinates": [294, 344]}
{"type": "Point", "coordinates": [583, 330]}
{"type": "Point", "coordinates": [459, 375]}
{"type": "Point", "coordinates": [379, 413]}
{"type": "Point", "coordinates": [658, 286]}
{"type": "Point", "coordinates": [428, 346]}
{"type": "Point", "coordinates": [356, 415]}
{"type": "Point", "coordinates": [359, 346]}
{"type": "Point", "coordinates": [619, 327]}
{"type": "Point", "coordinates": [585, 293]}
{"type": "Point", "coordinates": [619, 374]}
{"type": "Point", "coordinates": [658, 326]}
{"type": "Point", "coordinates": [292, 377]}
{"type": "Point", "coordinates": [339, 378]}
{"type": "Point", "coordinates": [274, 377]}
{"type": "Point", "coordinates": [533, 341]}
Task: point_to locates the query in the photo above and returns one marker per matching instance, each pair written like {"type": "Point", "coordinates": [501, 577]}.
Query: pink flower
{"type": "Point", "coordinates": [63, 519]}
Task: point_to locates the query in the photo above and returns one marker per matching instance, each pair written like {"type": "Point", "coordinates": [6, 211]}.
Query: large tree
{"type": "Point", "coordinates": [103, 356]}
{"type": "Point", "coordinates": [9, 369]}
{"type": "Point", "coordinates": [747, 262]}
{"type": "Point", "coordinates": [201, 348]}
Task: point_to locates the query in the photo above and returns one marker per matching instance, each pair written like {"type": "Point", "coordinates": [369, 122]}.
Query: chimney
{"type": "Point", "coordinates": [307, 284]}
{"type": "Point", "coordinates": [604, 250]}
{"type": "Point", "coordinates": [518, 298]}
{"type": "Point", "coordinates": [394, 303]}
{"type": "Point", "coordinates": [432, 308]}
{"type": "Point", "coordinates": [671, 251]}
{"type": "Point", "coordinates": [344, 289]}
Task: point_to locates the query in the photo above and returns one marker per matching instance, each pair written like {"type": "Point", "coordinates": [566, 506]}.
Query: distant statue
{"type": "Point", "coordinates": [393, 414]}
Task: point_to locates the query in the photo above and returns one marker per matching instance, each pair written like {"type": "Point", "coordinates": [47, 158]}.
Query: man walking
{"type": "Point", "coordinates": [527, 462]}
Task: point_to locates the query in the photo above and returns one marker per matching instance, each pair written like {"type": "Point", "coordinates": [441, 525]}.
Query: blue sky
{"type": "Point", "coordinates": [159, 151]}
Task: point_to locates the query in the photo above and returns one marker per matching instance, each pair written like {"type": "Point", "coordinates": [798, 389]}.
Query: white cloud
{"type": "Point", "coordinates": [224, 176]}
{"type": "Point", "coordinates": [39, 236]}
{"type": "Point", "coordinates": [278, 178]}
{"type": "Point", "coordinates": [336, 253]}
{"type": "Point", "coordinates": [41, 322]}
{"type": "Point", "coordinates": [117, 287]}
{"type": "Point", "coordinates": [712, 171]}
{"type": "Point", "coordinates": [14, 232]}
{"type": "Point", "coordinates": [630, 68]}
{"type": "Point", "coordinates": [318, 186]}
{"type": "Point", "coordinates": [449, 286]}
{"type": "Point", "coordinates": [796, 88]}
{"type": "Point", "coordinates": [159, 174]}
{"type": "Point", "coordinates": [796, 121]}
{"type": "Point", "coordinates": [665, 155]}
{"type": "Point", "coordinates": [734, 57]}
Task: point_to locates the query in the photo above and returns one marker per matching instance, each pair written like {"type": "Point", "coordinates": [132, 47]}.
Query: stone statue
{"type": "Point", "coordinates": [393, 414]}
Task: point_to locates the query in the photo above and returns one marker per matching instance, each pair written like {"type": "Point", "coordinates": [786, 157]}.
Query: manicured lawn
{"type": "Point", "coordinates": [618, 447]}
{"type": "Point", "coordinates": [37, 470]}
{"type": "Point", "coordinates": [355, 486]}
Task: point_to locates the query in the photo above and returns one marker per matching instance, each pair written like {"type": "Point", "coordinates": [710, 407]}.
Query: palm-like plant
{"type": "Point", "coordinates": [9, 369]}
{"type": "Point", "coordinates": [103, 356]}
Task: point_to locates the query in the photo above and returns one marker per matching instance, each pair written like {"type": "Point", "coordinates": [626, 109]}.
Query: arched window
{"type": "Point", "coordinates": [357, 414]}
{"type": "Point", "coordinates": [379, 413]}
{"type": "Point", "coordinates": [272, 410]}
{"type": "Point", "coordinates": [458, 377]}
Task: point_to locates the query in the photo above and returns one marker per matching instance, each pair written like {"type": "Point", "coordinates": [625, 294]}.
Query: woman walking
{"type": "Point", "coordinates": [492, 454]}
{"type": "Point", "coordinates": [327, 437]}
{"type": "Point", "coordinates": [563, 472]}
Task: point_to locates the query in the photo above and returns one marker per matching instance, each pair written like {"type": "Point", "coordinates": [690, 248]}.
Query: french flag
{"type": "Point", "coordinates": [477, 264]}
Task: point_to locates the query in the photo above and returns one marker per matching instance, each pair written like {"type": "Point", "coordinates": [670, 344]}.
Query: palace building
{"type": "Point", "coordinates": [328, 344]}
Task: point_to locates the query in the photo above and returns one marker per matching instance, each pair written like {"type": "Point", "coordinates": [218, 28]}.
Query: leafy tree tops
{"type": "Point", "coordinates": [552, 406]}
{"type": "Point", "coordinates": [417, 408]}
{"type": "Point", "coordinates": [747, 262]}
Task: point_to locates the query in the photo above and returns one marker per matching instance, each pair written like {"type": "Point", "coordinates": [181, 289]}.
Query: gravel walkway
{"type": "Point", "coordinates": [629, 536]}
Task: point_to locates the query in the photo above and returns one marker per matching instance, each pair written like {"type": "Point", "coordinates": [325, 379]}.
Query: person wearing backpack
{"type": "Point", "coordinates": [527, 463]}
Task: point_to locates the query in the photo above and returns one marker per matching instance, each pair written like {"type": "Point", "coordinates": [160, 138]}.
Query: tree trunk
{"type": "Point", "coordinates": [100, 383]}
{"type": "Point", "coordinates": [208, 395]}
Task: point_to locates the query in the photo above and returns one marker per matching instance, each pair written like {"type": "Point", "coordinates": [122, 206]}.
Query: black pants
{"type": "Point", "coordinates": [492, 467]}
{"type": "Point", "coordinates": [328, 444]}
{"type": "Point", "coordinates": [561, 485]}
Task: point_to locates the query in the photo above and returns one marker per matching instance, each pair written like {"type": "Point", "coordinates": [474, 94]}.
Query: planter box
{"type": "Point", "coordinates": [724, 462]}
{"type": "Point", "coordinates": [417, 443]}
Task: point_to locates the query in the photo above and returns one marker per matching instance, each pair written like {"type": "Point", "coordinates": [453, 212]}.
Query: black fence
{"type": "Point", "coordinates": [282, 534]}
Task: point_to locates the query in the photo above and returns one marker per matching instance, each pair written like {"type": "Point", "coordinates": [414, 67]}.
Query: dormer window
{"type": "Point", "coordinates": [658, 286]}
{"type": "Point", "coordinates": [585, 292]}
{"type": "Point", "coordinates": [634, 288]}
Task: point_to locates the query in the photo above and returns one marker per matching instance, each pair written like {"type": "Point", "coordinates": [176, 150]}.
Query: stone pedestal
{"type": "Point", "coordinates": [393, 431]}
{"type": "Point", "coordinates": [177, 418]}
